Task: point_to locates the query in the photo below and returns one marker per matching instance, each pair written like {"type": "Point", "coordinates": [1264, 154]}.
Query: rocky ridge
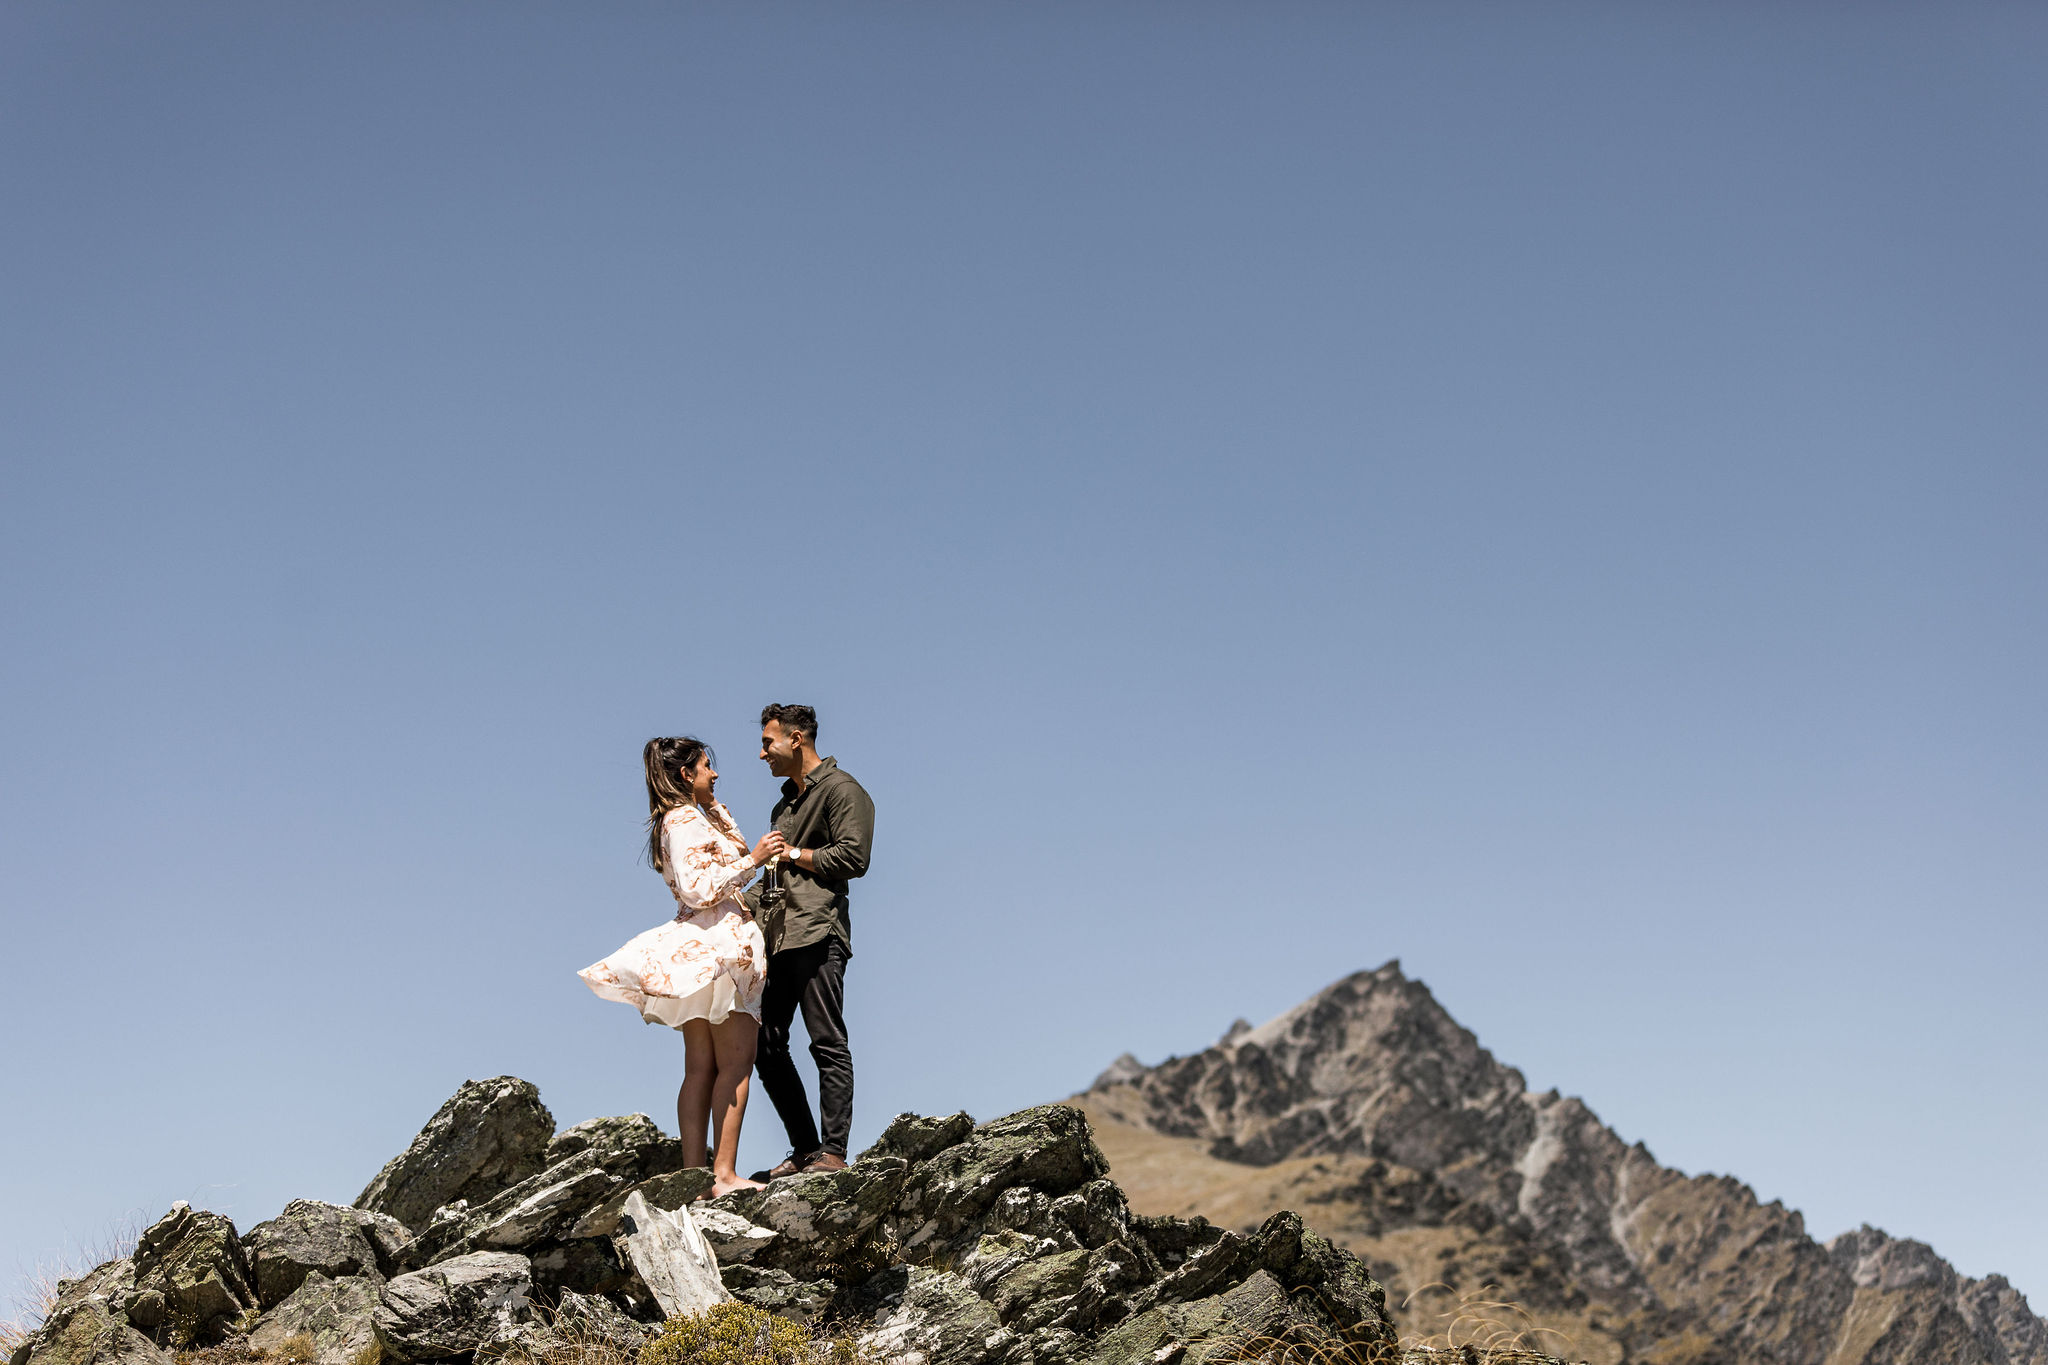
{"type": "Point", "coordinates": [946, 1243]}
{"type": "Point", "coordinates": [1409, 1143]}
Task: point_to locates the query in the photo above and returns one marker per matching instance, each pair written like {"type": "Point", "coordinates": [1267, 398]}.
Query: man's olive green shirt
{"type": "Point", "coordinates": [833, 817]}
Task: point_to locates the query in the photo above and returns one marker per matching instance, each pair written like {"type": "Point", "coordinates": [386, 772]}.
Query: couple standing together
{"type": "Point", "coordinates": [734, 966]}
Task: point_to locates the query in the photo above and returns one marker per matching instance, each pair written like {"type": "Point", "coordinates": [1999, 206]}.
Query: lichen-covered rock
{"type": "Point", "coordinates": [827, 1222]}
{"type": "Point", "coordinates": [1049, 1148]}
{"type": "Point", "coordinates": [543, 1205]}
{"type": "Point", "coordinates": [190, 1275]}
{"type": "Point", "coordinates": [336, 1313]}
{"type": "Point", "coordinates": [1097, 1213]}
{"type": "Point", "coordinates": [456, 1306]}
{"type": "Point", "coordinates": [308, 1236]}
{"type": "Point", "coordinates": [86, 1331]}
{"type": "Point", "coordinates": [1337, 1281]}
{"type": "Point", "coordinates": [1030, 1296]}
{"type": "Point", "coordinates": [489, 1135]}
{"type": "Point", "coordinates": [779, 1292]}
{"type": "Point", "coordinates": [934, 1317]}
{"type": "Point", "coordinates": [583, 1265]}
{"type": "Point", "coordinates": [916, 1138]}
{"type": "Point", "coordinates": [1224, 1327]}
{"type": "Point", "coordinates": [733, 1239]}
{"type": "Point", "coordinates": [629, 1145]}
{"type": "Point", "coordinates": [670, 1191]}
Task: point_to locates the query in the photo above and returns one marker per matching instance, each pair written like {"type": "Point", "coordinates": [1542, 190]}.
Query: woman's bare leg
{"type": "Point", "coordinates": [733, 1040]}
{"type": "Point", "coordinates": [693, 1101]}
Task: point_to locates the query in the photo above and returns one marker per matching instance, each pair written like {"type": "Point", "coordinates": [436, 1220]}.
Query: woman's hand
{"type": "Point", "coordinates": [772, 845]}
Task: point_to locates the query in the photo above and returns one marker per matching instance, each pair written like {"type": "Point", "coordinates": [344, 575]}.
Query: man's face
{"type": "Point", "coordinates": [779, 751]}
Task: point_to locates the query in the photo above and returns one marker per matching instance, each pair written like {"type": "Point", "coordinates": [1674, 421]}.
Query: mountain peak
{"type": "Point", "coordinates": [1373, 1078]}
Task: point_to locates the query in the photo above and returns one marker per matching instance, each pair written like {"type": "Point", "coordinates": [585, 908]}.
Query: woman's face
{"type": "Point", "coordinates": [703, 779]}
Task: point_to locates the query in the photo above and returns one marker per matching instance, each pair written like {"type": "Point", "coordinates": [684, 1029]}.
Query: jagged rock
{"type": "Point", "coordinates": [536, 1208]}
{"type": "Point", "coordinates": [672, 1258]}
{"type": "Point", "coordinates": [1173, 1240]}
{"type": "Point", "coordinates": [916, 1138]}
{"type": "Point", "coordinates": [337, 1313]}
{"type": "Point", "coordinates": [588, 1317]}
{"type": "Point", "coordinates": [670, 1191]}
{"type": "Point", "coordinates": [628, 1145]}
{"type": "Point", "coordinates": [1048, 1147]}
{"type": "Point", "coordinates": [933, 1317]}
{"type": "Point", "coordinates": [1300, 1259]}
{"type": "Point", "coordinates": [1215, 1329]}
{"type": "Point", "coordinates": [825, 1220]}
{"type": "Point", "coordinates": [733, 1239]}
{"type": "Point", "coordinates": [86, 1331]}
{"type": "Point", "coordinates": [490, 1134]}
{"type": "Point", "coordinates": [456, 1306]}
{"type": "Point", "coordinates": [190, 1275]}
{"type": "Point", "coordinates": [1097, 1213]}
{"type": "Point", "coordinates": [308, 1236]}
{"type": "Point", "coordinates": [1030, 1296]}
{"type": "Point", "coordinates": [779, 1292]}
{"type": "Point", "coordinates": [389, 1238]}
{"type": "Point", "coordinates": [583, 1265]}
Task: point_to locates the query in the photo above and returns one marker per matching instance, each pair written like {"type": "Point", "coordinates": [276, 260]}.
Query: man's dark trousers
{"type": "Point", "coordinates": [813, 977]}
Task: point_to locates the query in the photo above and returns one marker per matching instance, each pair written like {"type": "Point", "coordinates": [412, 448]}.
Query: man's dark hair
{"type": "Point", "coordinates": [792, 717]}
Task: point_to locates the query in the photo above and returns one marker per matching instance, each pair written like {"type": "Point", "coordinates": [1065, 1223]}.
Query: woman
{"type": "Point", "coordinates": [703, 971]}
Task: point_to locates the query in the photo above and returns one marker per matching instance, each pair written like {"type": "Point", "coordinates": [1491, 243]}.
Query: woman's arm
{"type": "Point", "coordinates": [703, 870]}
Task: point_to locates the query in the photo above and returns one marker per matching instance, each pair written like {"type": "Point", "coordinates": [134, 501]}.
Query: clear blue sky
{"type": "Point", "coordinates": [1552, 493]}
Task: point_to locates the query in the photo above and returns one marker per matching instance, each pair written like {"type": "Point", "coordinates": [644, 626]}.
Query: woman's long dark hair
{"type": "Point", "coordinates": [668, 761]}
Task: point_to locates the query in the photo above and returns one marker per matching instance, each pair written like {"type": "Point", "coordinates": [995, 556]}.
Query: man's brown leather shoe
{"type": "Point", "coordinates": [794, 1164]}
{"type": "Point", "coordinates": [824, 1161]}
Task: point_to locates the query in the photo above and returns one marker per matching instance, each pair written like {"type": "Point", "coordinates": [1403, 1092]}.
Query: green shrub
{"type": "Point", "coordinates": [731, 1334]}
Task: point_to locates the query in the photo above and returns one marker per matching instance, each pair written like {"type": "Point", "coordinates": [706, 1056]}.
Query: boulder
{"type": "Point", "coordinates": [308, 1236]}
{"type": "Point", "coordinates": [583, 1265]}
{"type": "Point", "coordinates": [86, 1331]}
{"type": "Point", "coordinates": [338, 1314]}
{"type": "Point", "coordinates": [1049, 1148]}
{"type": "Point", "coordinates": [672, 1258]}
{"type": "Point", "coordinates": [733, 1239]}
{"type": "Point", "coordinates": [489, 1135]}
{"type": "Point", "coordinates": [628, 1145]}
{"type": "Point", "coordinates": [779, 1292]}
{"type": "Point", "coordinates": [671, 1191]}
{"type": "Point", "coordinates": [830, 1223]}
{"type": "Point", "coordinates": [1226, 1327]}
{"type": "Point", "coordinates": [539, 1207]}
{"type": "Point", "coordinates": [456, 1307]}
{"type": "Point", "coordinates": [933, 1317]}
{"type": "Point", "coordinates": [916, 1138]}
{"type": "Point", "coordinates": [1337, 1282]}
{"type": "Point", "coordinates": [191, 1276]}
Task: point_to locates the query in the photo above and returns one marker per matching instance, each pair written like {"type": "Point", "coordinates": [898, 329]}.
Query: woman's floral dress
{"type": "Point", "coordinates": [709, 960]}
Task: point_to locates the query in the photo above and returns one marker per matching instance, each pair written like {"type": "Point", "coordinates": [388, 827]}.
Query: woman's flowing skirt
{"type": "Point", "coordinates": [703, 966]}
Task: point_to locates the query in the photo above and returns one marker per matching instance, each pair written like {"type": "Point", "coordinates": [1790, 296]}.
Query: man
{"type": "Point", "coordinates": [829, 823]}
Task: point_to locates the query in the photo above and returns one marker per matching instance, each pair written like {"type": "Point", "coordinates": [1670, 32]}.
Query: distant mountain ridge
{"type": "Point", "coordinates": [1436, 1163]}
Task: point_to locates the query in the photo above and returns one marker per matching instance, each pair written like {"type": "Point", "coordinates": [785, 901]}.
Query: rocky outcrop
{"type": "Point", "coordinates": [310, 1237]}
{"type": "Point", "coordinates": [490, 1134]}
{"type": "Point", "coordinates": [457, 1307]}
{"type": "Point", "coordinates": [1423, 1140]}
{"type": "Point", "coordinates": [946, 1243]}
{"type": "Point", "coordinates": [338, 1314]}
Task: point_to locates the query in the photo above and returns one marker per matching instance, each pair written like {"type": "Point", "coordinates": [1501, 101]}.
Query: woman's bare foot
{"type": "Point", "coordinates": [725, 1185]}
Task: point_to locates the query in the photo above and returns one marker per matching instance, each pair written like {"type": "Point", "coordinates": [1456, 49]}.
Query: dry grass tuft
{"type": "Point", "coordinates": [296, 1349]}
{"type": "Point", "coordinates": [1480, 1328]}
{"type": "Point", "coordinates": [1477, 1330]}
{"type": "Point", "coordinates": [41, 1284]}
